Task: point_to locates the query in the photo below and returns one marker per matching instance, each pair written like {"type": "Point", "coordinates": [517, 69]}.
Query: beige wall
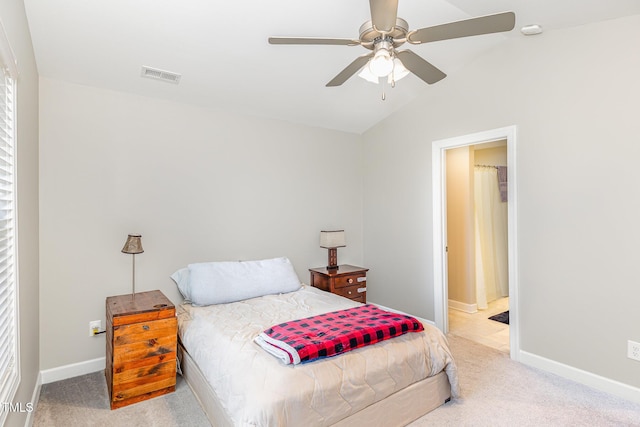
{"type": "Point", "coordinates": [460, 226]}
{"type": "Point", "coordinates": [199, 185]}
{"type": "Point", "coordinates": [573, 96]}
{"type": "Point", "coordinates": [15, 24]}
{"type": "Point", "coordinates": [494, 156]}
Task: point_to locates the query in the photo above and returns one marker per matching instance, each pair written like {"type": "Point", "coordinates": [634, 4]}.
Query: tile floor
{"type": "Point", "coordinates": [478, 328]}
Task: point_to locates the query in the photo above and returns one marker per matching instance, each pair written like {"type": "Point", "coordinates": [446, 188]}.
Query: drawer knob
{"type": "Point", "coordinates": [349, 292]}
{"type": "Point", "coordinates": [350, 280]}
{"type": "Point", "coordinates": [145, 327]}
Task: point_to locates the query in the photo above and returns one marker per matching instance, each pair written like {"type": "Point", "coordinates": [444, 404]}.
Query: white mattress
{"type": "Point", "coordinates": [255, 389]}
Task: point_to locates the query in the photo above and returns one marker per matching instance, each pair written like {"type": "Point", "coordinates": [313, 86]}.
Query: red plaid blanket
{"type": "Point", "coordinates": [333, 333]}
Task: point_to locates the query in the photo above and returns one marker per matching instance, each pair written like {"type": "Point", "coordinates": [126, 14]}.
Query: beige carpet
{"type": "Point", "coordinates": [83, 402]}
{"type": "Point", "coordinates": [496, 392]}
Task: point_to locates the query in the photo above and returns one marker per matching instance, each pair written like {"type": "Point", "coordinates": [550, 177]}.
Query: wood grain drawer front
{"type": "Point", "coordinates": [143, 331]}
{"type": "Point", "coordinates": [350, 280]}
{"type": "Point", "coordinates": [155, 376]}
{"type": "Point", "coordinates": [353, 292]}
{"type": "Point", "coordinates": [144, 340]}
{"type": "Point", "coordinates": [136, 392]}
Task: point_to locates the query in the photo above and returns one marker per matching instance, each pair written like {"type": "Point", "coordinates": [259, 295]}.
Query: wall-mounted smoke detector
{"type": "Point", "coordinates": [531, 30]}
{"type": "Point", "coordinates": [156, 74]}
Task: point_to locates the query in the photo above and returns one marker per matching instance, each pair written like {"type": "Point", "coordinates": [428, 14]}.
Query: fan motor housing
{"type": "Point", "coordinates": [398, 35]}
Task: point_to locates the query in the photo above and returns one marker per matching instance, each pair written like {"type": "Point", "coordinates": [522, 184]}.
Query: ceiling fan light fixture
{"type": "Point", "coordinates": [366, 74]}
{"type": "Point", "coordinates": [381, 65]}
{"type": "Point", "coordinates": [399, 71]}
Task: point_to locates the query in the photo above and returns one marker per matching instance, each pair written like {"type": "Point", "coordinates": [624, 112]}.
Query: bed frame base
{"type": "Point", "coordinates": [399, 409]}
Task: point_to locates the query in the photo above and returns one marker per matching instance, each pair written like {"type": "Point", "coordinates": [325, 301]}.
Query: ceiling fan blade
{"type": "Point", "coordinates": [313, 40]}
{"type": "Point", "coordinates": [351, 69]}
{"type": "Point", "coordinates": [469, 27]}
{"type": "Point", "coordinates": [384, 14]}
{"type": "Point", "coordinates": [421, 68]}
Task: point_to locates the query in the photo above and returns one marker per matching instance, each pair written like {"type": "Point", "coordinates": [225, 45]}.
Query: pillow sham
{"type": "Point", "coordinates": [230, 281]}
{"type": "Point", "coordinates": [181, 277]}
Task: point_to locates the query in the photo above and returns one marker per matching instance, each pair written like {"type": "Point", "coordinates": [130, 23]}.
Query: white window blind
{"type": "Point", "coordinates": [9, 373]}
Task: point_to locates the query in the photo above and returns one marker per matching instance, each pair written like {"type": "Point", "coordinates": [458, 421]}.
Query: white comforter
{"type": "Point", "coordinates": [256, 389]}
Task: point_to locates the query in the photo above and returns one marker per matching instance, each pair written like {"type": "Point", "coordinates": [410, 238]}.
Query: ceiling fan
{"type": "Point", "coordinates": [386, 32]}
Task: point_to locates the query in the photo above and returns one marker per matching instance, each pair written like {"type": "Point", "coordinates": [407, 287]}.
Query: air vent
{"type": "Point", "coordinates": [156, 74]}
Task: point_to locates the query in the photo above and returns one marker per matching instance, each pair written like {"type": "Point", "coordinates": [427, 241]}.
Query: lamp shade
{"type": "Point", "coordinates": [381, 65]}
{"type": "Point", "coordinates": [399, 71]}
{"type": "Point", "coordinates": [366, 74]}
{"type": "Point", "coordinates": [332, 239]}
{"type": "Point", "coordinates": [133, 245]}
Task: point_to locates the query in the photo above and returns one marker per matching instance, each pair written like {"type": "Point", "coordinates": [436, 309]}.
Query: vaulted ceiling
{"type": "Point", "coordinates": [220, 49]}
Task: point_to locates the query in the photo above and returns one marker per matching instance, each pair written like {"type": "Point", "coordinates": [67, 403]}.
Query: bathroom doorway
{"type": "Point", "coordinates": [440, 149]}
{"type": "Point", "coordinates": [477, 247]}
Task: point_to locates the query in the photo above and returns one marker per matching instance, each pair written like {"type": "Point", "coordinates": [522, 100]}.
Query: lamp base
{"type": "Point", "coordinates": [333, 259]}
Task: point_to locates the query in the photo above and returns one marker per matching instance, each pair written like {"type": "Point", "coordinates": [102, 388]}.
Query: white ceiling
{"type": "Point", "coordinates": [221, 49]}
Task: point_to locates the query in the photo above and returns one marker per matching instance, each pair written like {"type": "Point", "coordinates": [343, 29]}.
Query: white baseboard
{"type": "Point", "coordinates": [35, 398]}
{"type": "Point", "coordinates": [461, 306]}
{"type": "Point", "coordinates": [73, 370]}
{"type": "Point", "coordinates": [607, 385]}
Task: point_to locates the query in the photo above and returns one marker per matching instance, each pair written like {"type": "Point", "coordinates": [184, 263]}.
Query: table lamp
{"type": "Point", "coordinates": [133, 246]}
{"type": "Point", "coordinates": [332, 240]}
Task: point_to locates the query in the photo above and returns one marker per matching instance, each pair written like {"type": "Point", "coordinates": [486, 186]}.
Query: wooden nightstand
{"type": "Point", "coordinates": [348, 281]}
{"type": "Point", "coordinates": [141, 347]}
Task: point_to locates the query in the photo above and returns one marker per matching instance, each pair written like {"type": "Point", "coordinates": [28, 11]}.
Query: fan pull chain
{"type": "Point", "coordinates": [384, 96]}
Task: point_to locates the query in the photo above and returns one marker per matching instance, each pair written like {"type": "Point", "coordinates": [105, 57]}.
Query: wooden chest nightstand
{"type": "Point", "coordinates": [348, 281]}
{"type": "Point", "coordinates": [141, 347]}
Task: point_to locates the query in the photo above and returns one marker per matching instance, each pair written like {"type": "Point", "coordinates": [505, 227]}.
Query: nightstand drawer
{"type": "Point", "coordinates": [352, 291]}
{"type": "Point", "coordinates": [145, 345]}
{"type": "Point", "coordinates": [144, 331]}
{"type": "Point", "coordinates": [130, 378]}
{"type": "Point", "coordinates": [142, 389]}
{"type": "Point", "coordinates": [351, 280]}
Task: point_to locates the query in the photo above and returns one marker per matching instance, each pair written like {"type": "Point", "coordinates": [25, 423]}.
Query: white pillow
{"type": "Point", "coordinates": [223, 282]}
{"type": "Point", "coordinates": [181, 277]}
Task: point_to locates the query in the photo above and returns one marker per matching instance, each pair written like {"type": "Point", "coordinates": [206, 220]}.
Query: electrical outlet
{"type": "Point", "coordinates": [633, 350]}
{"type": "Point", "coordinates": [94, 327]}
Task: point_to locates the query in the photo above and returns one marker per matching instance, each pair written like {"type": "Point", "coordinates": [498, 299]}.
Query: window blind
{"type": "Point", "coordinates": [9, 373]}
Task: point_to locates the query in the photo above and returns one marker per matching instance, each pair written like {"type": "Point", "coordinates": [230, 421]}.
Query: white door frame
{"type": "Point", "coordinates": [440, 279]}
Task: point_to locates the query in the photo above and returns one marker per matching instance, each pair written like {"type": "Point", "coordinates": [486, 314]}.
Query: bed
{"type": "Point", "coordinates": [238, 383]}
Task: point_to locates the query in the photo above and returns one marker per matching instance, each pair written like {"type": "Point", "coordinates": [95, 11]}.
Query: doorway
{"type": "Point", "coordinates": [441, 259]}
{"type": "Point", "coordinates": [477, 275]}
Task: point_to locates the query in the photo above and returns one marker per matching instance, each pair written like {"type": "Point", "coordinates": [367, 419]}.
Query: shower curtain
{"type": "Point", "coordinates": [492, 273]}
